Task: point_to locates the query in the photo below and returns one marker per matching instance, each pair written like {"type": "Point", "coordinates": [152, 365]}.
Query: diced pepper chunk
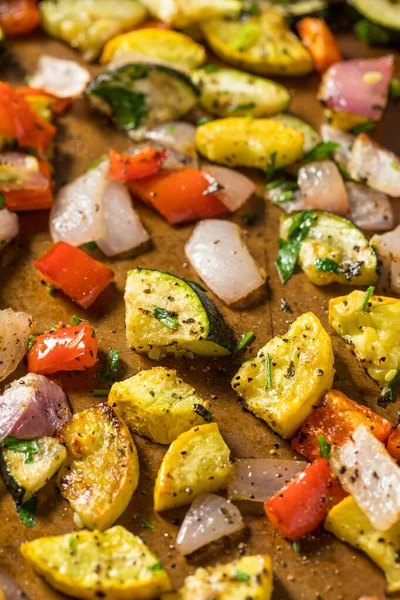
{"type": "Point", "coordinates": [129, 167]}
{"type": "Point", "coordinates": [320, 41]}
{"type": "Point", "coordinates": [393, 444]}
{"type": "Point", "coordinates": [20, 200]}
{"type": "Point", "coordinates": [18, 16]}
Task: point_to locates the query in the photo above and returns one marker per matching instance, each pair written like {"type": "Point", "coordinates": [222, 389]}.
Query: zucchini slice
{"type": "Point", "coordinates": [102, 469]}
{"type": "Point", "coordinates": [24, 478]}
{"type": "Point", "coordinates": [335, 250]}
{"type": "Point", "coordinates": [195, 463]}
{"type": "Point", "coordinates": [158, 404]}
{"type": "Point", "coordinates": [168, 315]}
{"type": "Point", "coordinates": [228, 92]}
{"type": "Point", "coordinates": [373, 334]}
{"type": "Point", "coordinates": [90, 564]}
{"type": "Point", "coordinates": [302, 8]}
{"type": "Point", "coordinates": [382, 12]}
{"type": "Point", "coordinates": [288, 376]}
{"type": "Point", "coordinates": [261, 44]}
{"type": "Point", "coordinates": [139, 96]}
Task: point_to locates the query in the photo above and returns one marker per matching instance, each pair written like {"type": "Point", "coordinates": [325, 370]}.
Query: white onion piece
{"type": "Point", "coordinates": [9, 226]}
{"type": "Point", "coordinates": [221, 258]}
{"type": "Point", "coordinates": [374, 165]}
{"type": "Point", "coordinates": [209, 518]}
{"type": "Point", "coordinates": [124, 229]}
{"type": "Point", "coordinates": [15, 329]}
{"type": "Point", "coordinates": [77, 216]}
{"type": "Point", "coordinates": [369, 209]}
{"type": "Point", "coordinates": [179, 137]}
{"type": "Point", "coordinates": [20, 171]}
{"type": "Point", "coordinates": [366, 470]}
{"type": "Point", "coordinates": [257, 479]}
{"type": "Point", "coordinates": [10, 588]}
{"type": "Point", "coordinates": [322, 187]}
{"type": "Point", "coordinates": [62, 78]}
{"type": "Point", "coordinates": [343, 138]}
{"type": "Point", "coordinates": [388, 247]}
{"type": "Point", "coordinates": [287, 206]}
{"type": "Point", "coordinates": [237, 188]}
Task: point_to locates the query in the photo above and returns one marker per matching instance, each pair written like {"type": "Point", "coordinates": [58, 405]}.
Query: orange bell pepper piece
{"type": "Point", "coordinates": [320, 41]}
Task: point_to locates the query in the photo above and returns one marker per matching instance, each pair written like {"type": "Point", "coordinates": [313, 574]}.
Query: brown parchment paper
{"type": "Point", "coordinates": [325, 569]}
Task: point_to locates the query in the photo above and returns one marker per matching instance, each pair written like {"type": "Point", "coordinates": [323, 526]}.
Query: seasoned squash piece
{"type": "Point", "coordinates": [158, 404]}
{"type": "Point", "coordinates": [87, 25]}
{"type": "Point", "coordinates": [168, 315]}
{"type": "Point", "coordinates": [242, 579]}
{"type": "Point", "coordinates": [170, 46]}
{"type": "Point", "coordinates": [24, 476]}
{"type": "Point", "coordinates": [348, 523]}
{"type": "Point", "coordinates": [244, 142]}
{"type": "Point", "coordinates": [261, 44]}
{"type": "Point", "coordinates": [102, 470]}
{"type": "Point", "coordinates": [183, 13]}
{"type": "Point", "coordinates": [372, 331]}
{"type": "Point", "coordinates": [92, 564]}
{"type": "Point", "coordinates": [288, 376]}
{"type": "Point", "coordinates": [195, 463]}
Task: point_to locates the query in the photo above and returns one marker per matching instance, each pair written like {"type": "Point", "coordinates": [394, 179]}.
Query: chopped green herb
{"type": "Point", "coordinates": [31, 341]}
{"type": "Point", "coordinates": [145, 523]}
{"type": "Point", "coordinates": [91, 246]}
{"type": "Point", "coordinates": [271, 185]}
{"type": "Point", "coordinates": [236, 107]}
{"type": "Point", "coordinates": [241, 576]}
{"type": "Point", "coordinates": [204, 120]}
{"type": "Point", "coordinates": [246, 37]}
{"type": "Point", "coordinates": [371, 33]}
{"type": "Point", "coordinates": [392, 385]}
{"type": "Point", "coordinates": [53, 327]}
{"type": "Point", "coordinates": [284, 196]}
{"type": "Point", "coordinates": [367, 297]}
{"type": "Point", "coordinates": [344, 172]}
{"type": "Point", "coordinates": [8, 178]}
{"type": "Point", "coordinates": [100, 392]}
{"type": "Point", "coordinates": [50, 288]}
{"type": "Point", "coordinates": [29, 150]}
{"type": "Point", "coordinates": [243, 342]}
{"type": "Point", "coordinates": [128, 107]}
{"type": "Point", "coordinates": [166, 318]}
{"type": "Point", "coordinates": [327, 264]}
{"type": "Point", "coordinates": [271, 166]}
{"type": "Point", "coordinates": [289, 250]}
{"type": "Point", "coordinates": [196, 284]}
{"type": "Point", "coordinates": [320, 151]}
{"type": "Point", "coordinates": [395, 166]}
{"type": "Point", "coordinates": [93, 165]}
{"type": "Point", "coordinates": [2, 201]}
{"type": "Point", "coordinates": [77, 320]}
{"type": "Point", "coordinates": [296, 546]}
{"type": "Point", "coordinates": [253, 9]}
{"type": "Point", "coordinates": [72, 544]}
{"type": "Point", "coordinates": [156, 567]}
{"type": "Point", "coordinates": [210, 68]}
{"type": "Point", "coordinates": [364, 127]}
{"type": "Point", "coordinates": [268, 371]}
{"type": "Point", "coordinates": [27, 512]}
{"type": "Point", "coordinates": [394, 90]}
{"type": "Point", "coordinates": [203, 412]}
{"type": "Point", "coordinates": [249, 219]}
{"type": "Point", "coordinates": [107, 374]}
{"type": "Point", "coordinates": [27, 447]}
{"type": "Point", "coordinates": [324, 447]}
{"type": "Point", "coordinates": [213, 188]}
{"type": "Point", "coordinates": [170, 128]}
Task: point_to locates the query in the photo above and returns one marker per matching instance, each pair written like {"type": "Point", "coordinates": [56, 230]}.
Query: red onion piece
{"type": "Point", "coordinates": [359, 86]}
{"type": "Point", "coordinates": [388, 248]}
{"type": "Point", "coordinates": [62, 78]}
{"type": "Point", "coordinates": [20, 172]}
{"type": "Point", "coordinates": [369, 209]}
{"type": "Point", "coordinates": [237, 188]}
{"type": "Point", "coordinates": [9, 226]}
{"type": "Point", "coordinates": [209, 518]}
{"type": "Point", "coordinates": [257, 479]}
{"type": "Point", "coordinates": [322, 186]}
{"type": "Point", "coordinates": [15, 329]}
{"type": "Point", "coordinates": [374, 165]}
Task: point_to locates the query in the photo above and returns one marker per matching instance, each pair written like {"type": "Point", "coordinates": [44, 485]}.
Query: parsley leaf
{"type": "Point", "coordinates": [364, 127]}
{"type": "Point", "coordinates": [324, 447]}
{"type": "Point", "coordinates": [271, 185]}
{"type": "Point", "coordinates": [296, 546]}
{"type": "Point", "coordinates": [143, 521]}
{"type": "Point", "coordinates": [129, 108]}
{"type": "Point", "coordinates": [78, 320]}
{"type": "Point", "coordinates": [166, 318]}
{"type": "Point", "coordinates": [371, 33]}
{"type": "Point", "coordinates": [243, 342]}
{"type": "Point", "coordinates": [210, 68]}
{"type": "Point", "coordinates": [289, 250]}
{"type": "Point", "coordinates": [27, 512]}
{"type": "Point", "coordinates": [271, 165]}
{"type": "Point", "coordinates": [320, 151]}
{"type": "Point", "coordinates": [156, 567]}
{"type": "Point", "coordinates": [31, 341]}
{"type": "Point", "coordinates": [107, 374]}
{"type": "Point", "coordinates": [241, 576]}
{"type": "Point", "coordinates": [91, 246]}
{"type": "Point", "coordinates": [268, 368]}
{"type": "Point", "coordinates": [27, 447]}
{"type": "Point", "coordinates": [367, 297]}
{"type": "Point", "coordinates": [327, 264]}
{"type": "Point", "coordinates": [344, 172]}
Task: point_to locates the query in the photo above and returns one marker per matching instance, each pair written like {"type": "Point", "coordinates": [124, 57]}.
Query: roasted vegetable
{"type": "Point", "coordinates": [172, 47]}
{"type": "Point", "coordinates": [18, 17]}
{"type": "Point", "coordinates": [87, 25]}
{"type": "Point", "coordinates": [288, 376]}
{"type": "Point", "coordinates": [245, 578]}
{"type": "Point", "coordinates": [26, 466]}
{"type": "Point", "coordinates": [320, 41]}
{"type": "Point", "coordinates": [371, 326]}
{"type": "Point", "coordinates": [243, 142]}
{"type": "Point", "coordinates": [261, 44]}
{"type": "Point", "coordinates": [195, 463]}
{"type": "Point", "coordinates": [348, 522]}
{"type": "Point", "coordinates": [183, 13]}
{"type": "Point", "coordinates": [158, 404]}
{"type": "Point", "coordinates": [227, 92]}
{"type": "Point", "coordinates": [327, 247]}
{"type": "Point", "coordinates": [92, 565]}
{"type": "Point", "coordinates": [382, 18]}
{"type": "Point", "coordinates": [102, 470]}
{"type": "Point", "coordinates": [168, 315]}
{"type": "Point", "coordinates": [311, 137]}
{"type": "Point", "coordinates": [142, 95]}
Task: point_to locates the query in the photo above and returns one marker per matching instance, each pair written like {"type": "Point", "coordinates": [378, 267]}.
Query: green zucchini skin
{"type": "Point", "coordinates": [374, 26]}
{"type": "Point", "coordinates": [16, 490]}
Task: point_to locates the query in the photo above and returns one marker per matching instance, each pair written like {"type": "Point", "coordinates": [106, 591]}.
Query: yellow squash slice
{"type": "Point", "coordinates": [262, 44]}
{"type": "Point", "coordinates": [184, 13]}
{"type": "Point", "coordinates": [245, 142]}
{"type": "Point", "coordinates": [288, 376]}
{"type": "Point", "coordinates": [348, 523]}
{"type": "Point", "coordinates": [371, 326]}
{"type": "Point", "coordinates": [158, 404]}
{"type": "Point", "coordinates": [102, 470]}
{"type": "Point", "coordinates": [113, 564]}
{"type": "Point", "coordinates": [195, 463]}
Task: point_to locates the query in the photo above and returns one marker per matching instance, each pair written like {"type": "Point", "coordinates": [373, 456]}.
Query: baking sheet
{"type": "Point", "coordinates": [325, 569]}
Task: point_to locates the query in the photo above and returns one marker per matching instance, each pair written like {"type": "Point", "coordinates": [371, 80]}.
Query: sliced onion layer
{"type": "Point", "coordinates": [367, 471]}
{"type": "Point", "coordinates": [10, 588]}
{"type": "Point", "coordinates": [369, 209]}
{"type": "Point", "coordinates": [218, 253]}
{"type": "Point", "coordinates": [236, 187]}
{"type": "Point", "coordinates": [15, 329]}
{"type": "Point", "coordinates": [62, 78]}
{"type": "Point", "coordinates": [257, 479]}
{"type": "Point", "coordinates": [209, 518]}
{"type": "Point", "coordinates": [343, 138]}
{"type": "Point", "coordinates": [277, 196]}
{"type": "Point", "coordinates": [9, 226]}
{"type": "Point", "coordinates": [180, 138]}
{"type": "Point", "coordinates": [388, 248]}
{"type": "Point", "coordinates": [322, 187]}
{"type": "Point", "coordinates": [20, 172]}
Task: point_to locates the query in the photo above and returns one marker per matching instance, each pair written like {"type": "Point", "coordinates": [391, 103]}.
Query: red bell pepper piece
{"type": "Point", "coordinates": [18, 16]}
{"type": "Point", "coordinates": [58, 105]}
{"type": "Point", "coordinates": [180, 196]}
{"type": "Point", "coordinates": [136, 166]}
{"type": "Point", "coordinates": [65, 349]}
{"type": "Point", "coordinates": [78, 275]}
{"type": "Point", "coordinates": [320, 41]}
{"type": "Point", "coordinates": [305, 501]}
{"type": "Point", "coordinates": [393, 444]}
{"type": "Point", "coordinates": [20, 200]}
{"type": "Point", "coordinates": [337, 419]}
{"type": "Point", "coordinates": [19, 120]}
